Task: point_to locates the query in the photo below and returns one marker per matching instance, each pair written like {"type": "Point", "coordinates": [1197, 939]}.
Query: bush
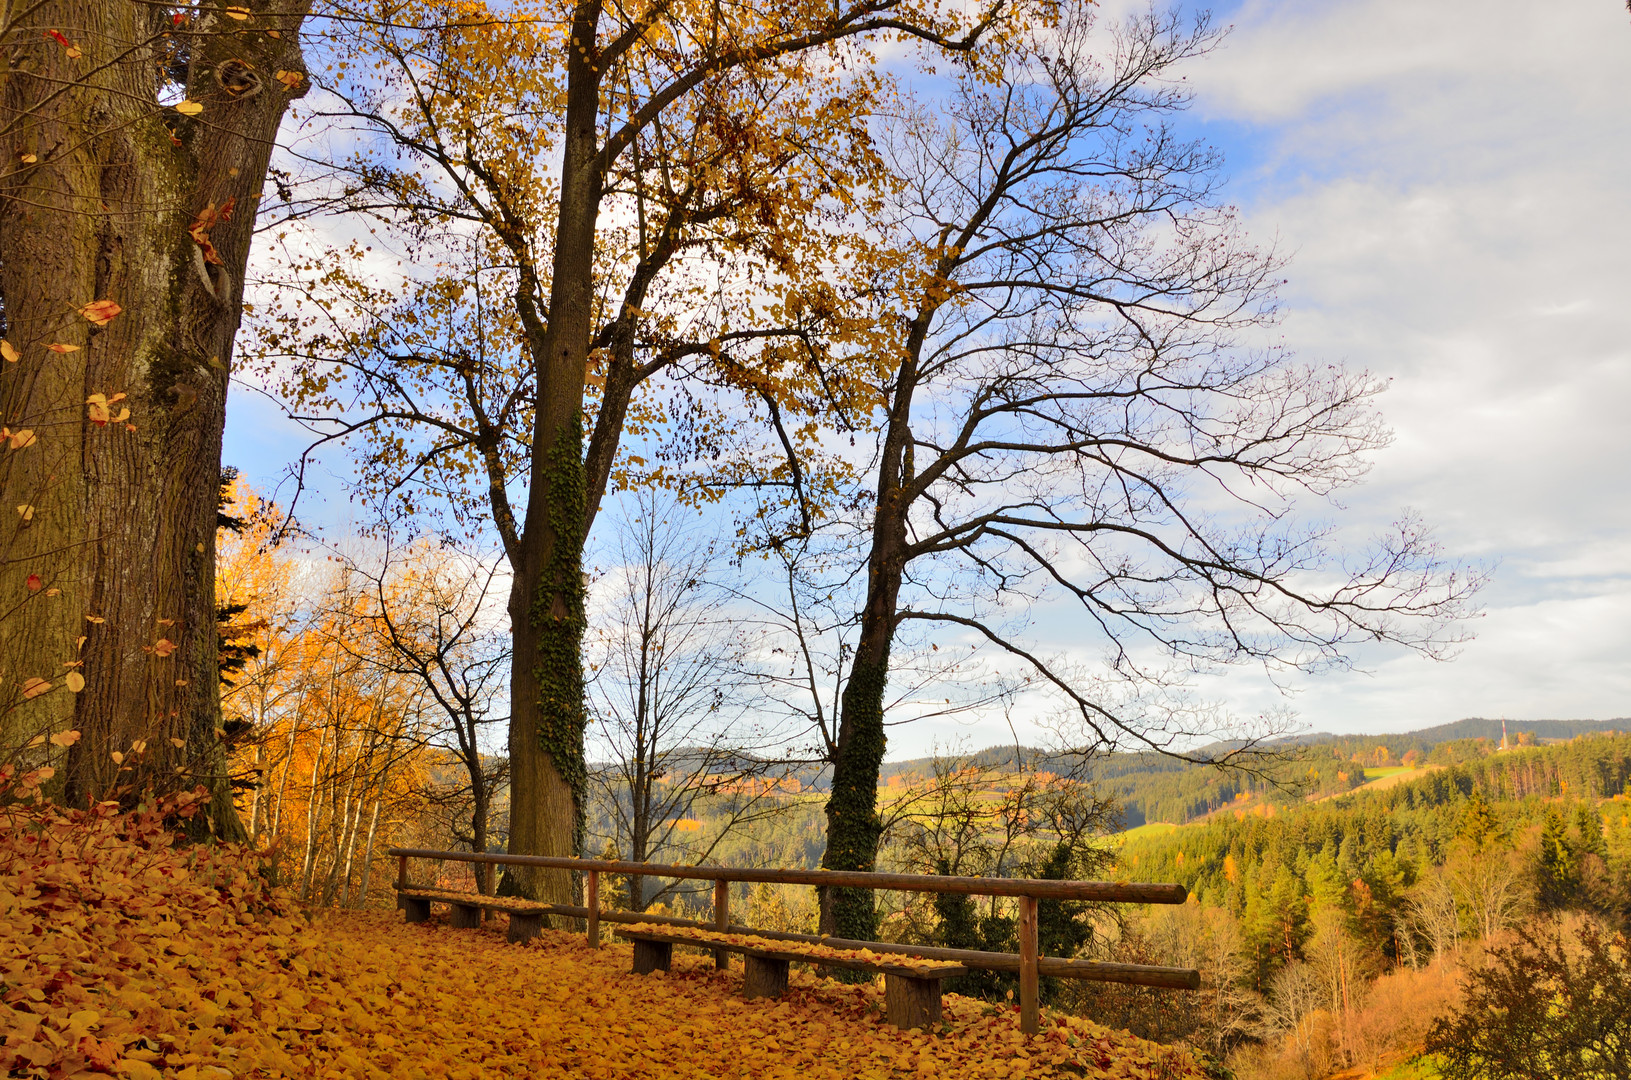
{"type": "Point", "coordinates": [1555, 1003]}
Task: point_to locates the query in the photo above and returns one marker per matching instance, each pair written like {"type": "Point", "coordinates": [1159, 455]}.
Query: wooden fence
{"type": "Point", "coordinates": [1027, 962]}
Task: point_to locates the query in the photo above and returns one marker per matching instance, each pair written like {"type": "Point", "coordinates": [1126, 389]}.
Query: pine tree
{"type": "Point", "coordinates": [1478, 822]}
{"type": "Point", "coordinates": [1559, 870]}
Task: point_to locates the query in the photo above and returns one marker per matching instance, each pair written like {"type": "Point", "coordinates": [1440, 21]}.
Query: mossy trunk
{"type": "Point", "coordinates": [110, 566]}
{"type": "Point", "coordinates": [547, 717]}
{"type": "Point", "coordinates": [548, 776]}
{"type": "Point", "coordinates": [853, 826]}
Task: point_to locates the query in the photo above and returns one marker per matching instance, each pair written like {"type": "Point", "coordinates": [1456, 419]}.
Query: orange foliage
{"type": "Point", "coordinates": [131, 957]}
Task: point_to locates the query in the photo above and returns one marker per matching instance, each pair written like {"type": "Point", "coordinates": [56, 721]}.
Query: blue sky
{"type": "Point", "coordinates": [1451, 181]}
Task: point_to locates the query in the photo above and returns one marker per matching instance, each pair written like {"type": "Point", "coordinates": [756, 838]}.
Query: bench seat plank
{"type": "Point", "coordinates": [774, 950]}
{"type": "Point", "coordinates": [912, 996]}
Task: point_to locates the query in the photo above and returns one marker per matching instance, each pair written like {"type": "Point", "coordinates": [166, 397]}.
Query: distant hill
{"type": "Point", "coordinates": [1477, 727]}
{"type": "Point", "coordinates": [1153, 787]}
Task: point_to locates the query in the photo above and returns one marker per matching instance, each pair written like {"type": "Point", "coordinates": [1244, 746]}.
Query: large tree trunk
{"type": "Point", "coordinates": [547, 771]}
{"type": "Point", "coordinates": [121, 536]}
{"type": "Point", "coordinates": [853, 828]}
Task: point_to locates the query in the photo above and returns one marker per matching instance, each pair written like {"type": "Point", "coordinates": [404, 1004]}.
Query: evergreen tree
{"type": "Point", "coordinates": [1478, 822]}
{"type": "Point", "coordinates": [1559, 869]}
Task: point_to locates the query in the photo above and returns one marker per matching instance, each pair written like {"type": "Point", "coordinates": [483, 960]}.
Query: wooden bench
{"type": "Point", "coordinates": [526, 916]}
{"type": "Point", "coordinates": [911, 994]}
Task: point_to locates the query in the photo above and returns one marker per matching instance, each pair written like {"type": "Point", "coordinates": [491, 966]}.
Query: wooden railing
{"type": "Point", "coordinates": [1028, 963]}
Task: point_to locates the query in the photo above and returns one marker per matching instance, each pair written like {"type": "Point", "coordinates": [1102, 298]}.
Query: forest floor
{"type": "Point", "coordinates": [126, 956]}
{"type": "Point", "coordinates": [439, 1002]}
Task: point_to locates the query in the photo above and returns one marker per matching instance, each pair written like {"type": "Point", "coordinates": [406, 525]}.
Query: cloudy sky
{"type": "Point", "coordinates": [1453, 182]}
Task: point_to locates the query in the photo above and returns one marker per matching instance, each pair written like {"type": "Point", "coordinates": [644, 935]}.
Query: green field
{"type": "Point", "coordinates": [1420, 1069]}
{"type": "Point", "coordinates": [1391, 770]}
{"type": "Point", "coordinates": [1149, 828]}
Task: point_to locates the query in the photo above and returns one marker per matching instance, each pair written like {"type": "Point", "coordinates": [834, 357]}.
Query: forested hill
{"type": "Point", "coordinates": [1571, 799]}
{"type": "Point", "coordinates": [1152, 787]}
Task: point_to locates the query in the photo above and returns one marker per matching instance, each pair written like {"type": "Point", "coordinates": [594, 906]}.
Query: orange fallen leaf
{"type": "Point", "coordinates": [63, 738]}
{"type": "Point", "coordinates": [74, 681]}
{"type": "Point", "coordinates": [33, 688]}
{"type": "Point", "coordinates": [20, 439]}
{"type": "Point", "coordinates": [68, 48]}
{"type": "Point", "coordinates": [59, 347]}
{"type": "Point", "coordinates": [163, 647]}
{"type": "Point", "coordinates": [101, 312]}
{"type": "Point", "coordinates": [9, 351]}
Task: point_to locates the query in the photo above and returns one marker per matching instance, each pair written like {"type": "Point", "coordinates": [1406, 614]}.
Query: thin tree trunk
{"type": "Point", "coordinates": [368, 858]}
{"type": "Point", "coordinates": [311, 819]}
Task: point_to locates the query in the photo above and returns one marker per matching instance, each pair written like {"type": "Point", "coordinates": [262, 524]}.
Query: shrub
{"type": "Point", "coordinates": [1554, 1003]}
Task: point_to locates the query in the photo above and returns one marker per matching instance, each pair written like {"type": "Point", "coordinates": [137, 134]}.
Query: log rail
{"type": "Point", "coordinates": [1028, 963]}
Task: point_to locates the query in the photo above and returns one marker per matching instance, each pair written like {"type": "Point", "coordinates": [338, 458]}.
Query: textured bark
{"type": "Point", "coordinates": [547, 773]}
{"type": "Point", "coordinates": [124, 518]}
{"type": "Point", "coordinates": [852, 813]}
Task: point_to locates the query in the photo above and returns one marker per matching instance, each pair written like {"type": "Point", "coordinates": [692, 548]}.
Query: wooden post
{"type": "Point", "coordinates": [763, 976]}
{"type": "Point", "coordinates": [402, 871]}
{"type": "Point", "coordinates": [652, 956]}
{"type": "Point", "coordinates": [722, 920]}
{"type": "Point", "coordinates": [593, 903]}
{"type": "Point", "coordinates": [911, 1003]}
{"type": "Point", "coordinates": [1029, 1012]}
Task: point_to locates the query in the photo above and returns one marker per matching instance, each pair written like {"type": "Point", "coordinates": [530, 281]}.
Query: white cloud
{"type": "Point", "coordinates": [1451, 180]}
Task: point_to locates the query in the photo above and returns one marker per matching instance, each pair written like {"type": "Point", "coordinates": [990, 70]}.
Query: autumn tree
{"type": "Point", "coordinates": [1556, 1002]}
{"type": "Point", "coordinates": [429, 611]}
{"type": "Point", "coordinates": [672, 697]}
{"type": "Point", "coordinates": [1073, 411]}
{"type": "Point", "coordinates": [137, 140]}
{"type": "Point", "coordinates": [698, 146]}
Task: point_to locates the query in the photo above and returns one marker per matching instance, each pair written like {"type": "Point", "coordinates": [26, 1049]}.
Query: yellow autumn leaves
{"type": "Point", "coordinates": [124, 956]}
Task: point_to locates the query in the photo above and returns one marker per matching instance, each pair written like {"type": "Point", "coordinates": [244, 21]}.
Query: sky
{"type": "Point", "coordinates": [1452, 182]}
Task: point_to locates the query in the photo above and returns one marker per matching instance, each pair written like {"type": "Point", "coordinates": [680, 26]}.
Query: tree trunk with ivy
{"type": "Point", "coordinates": [853, 828]}
{"type": "Point", "coordinates": [548, 774]}
{"type": "Point", "coordinates": [107, 197]}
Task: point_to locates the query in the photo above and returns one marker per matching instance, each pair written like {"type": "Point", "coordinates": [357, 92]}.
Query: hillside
{"type": "Point", "coordinates": [1344, 926]}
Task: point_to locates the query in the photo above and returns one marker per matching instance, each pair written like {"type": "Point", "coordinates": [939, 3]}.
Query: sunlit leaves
{"type": "Point", "coordinates": [100, 409]}
{"type": "Point", "coordinates": [69, 49]}
{"type": "Point", "coordinates": [34, 687]}
{"type": "Point", "coordinates": [60, 347]}
{"type": "Point", "coordinates": [188, 108]}
{"type": "Point", "coordinates": [101, 312]}
{"type": "Point", "coordinates": [9, 352]}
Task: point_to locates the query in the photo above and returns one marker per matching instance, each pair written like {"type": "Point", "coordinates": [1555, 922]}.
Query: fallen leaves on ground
{"type": "Point", "coordinates": [130, 957]}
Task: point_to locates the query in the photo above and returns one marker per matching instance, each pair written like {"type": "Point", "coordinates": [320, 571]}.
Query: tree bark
{"type": "Point", "coordinates": [547, 771]}
{"type": "Point", "coordinates": [122, 531]}
{"type": "Point", "coordinates": [853, 827]}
